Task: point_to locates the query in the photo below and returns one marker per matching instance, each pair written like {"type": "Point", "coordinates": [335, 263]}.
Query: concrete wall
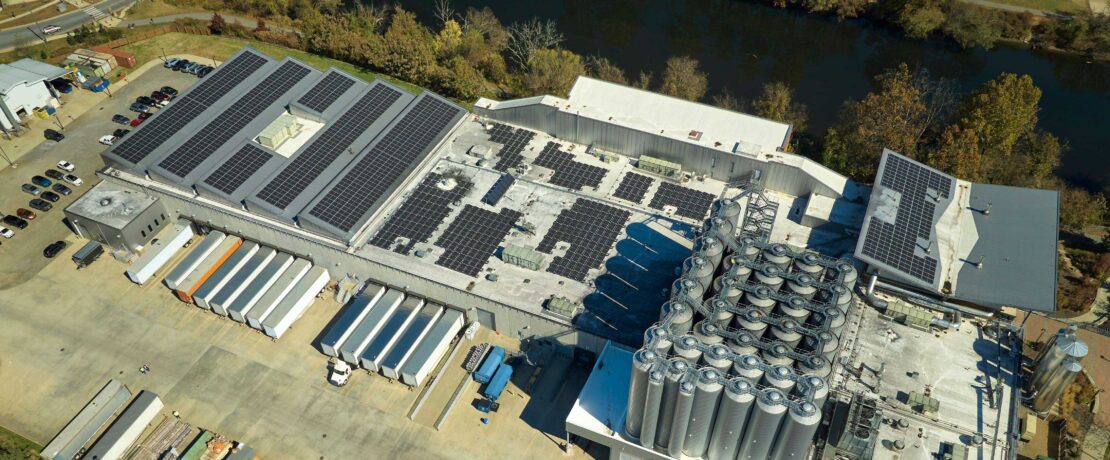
{"type": "Point", "coordinates": [23, 97]}
{"type": "Point", "coordinates": [810, 177]}
{"type": "Point", "coordinates": [132, 237]}
{"type": "Point", "coordinates": [334, 257]}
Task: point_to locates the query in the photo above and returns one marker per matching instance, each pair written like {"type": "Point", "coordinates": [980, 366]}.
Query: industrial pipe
{"type": "Point", "coordinates": [956, 310]}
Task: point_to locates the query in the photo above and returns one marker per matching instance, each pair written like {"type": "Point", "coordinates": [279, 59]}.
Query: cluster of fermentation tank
{"type": "Point", "coordinates": [736, 366]}
{"type": "Point", "coordinates": [1056, 368]}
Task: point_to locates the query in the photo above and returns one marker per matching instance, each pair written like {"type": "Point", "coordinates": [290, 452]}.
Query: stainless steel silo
{"type": "Point", "coordinates": [814, 389]}
{"type": "Point", "coordinates": [732, 416]}
{"type": "Point", "coordinates": [809, 263]}
{"type": "Point", "coordinates": [659, 338]}
{"type": "Point", "coordinates": [718, 357]}
{"type": "Point", "coordinates": [726, 288]}
{"type": "Point", "coordinates": [683, 407]}
{"type": "Point", "coordinates": [711, 248]}
{"type": "Point", "coordinates": [751, 321]}
{"type": "Point", "coordinates": [699, 269]}
{"type": "Point", "coordinates": [748, 366]}
{"type": "Point", "coordinates": [816, 365]}
{"type": "Point", "coordinates": [1066, 346]}
{"type": "Point", "coordinates": [676, 369]}
{"type": "Point", "coordinates": [760, 298]}
{"type": "Point", "coordinates": [690, 287]}
{"type": "Point", "coordinates": [780, 378]}
{"type": "Point", "coordinates": [723, 227]}
{"type": "Point", "coordinates": [708, 332]}
{"type": "Point", "coordinates": [688, 347]}
{"type": "Point", "coordinates": [778, 255]}
{"type": "Point", "coordinates": [796, 435]}
{"type": "Point", "coordinates": [1048, 346]}
{"type": "Point", "coordinates": [840, 296]}
{"type": "Point", "coordinates": [706, 397]}
{"type": "Point", "coordinates": [1058, 381]}
{"type": "Point", "coordinates": [787, 332]}
{"type": "Point", "coordinates": [803, 286]}
{"type": "Point", "coordinates": [743, 344]}
{"type": "Point", "coordinates": [771, 275]}
{"type": "Point", "coordinates": [763, 425]}
{"type": "Point", "coordinates": [727, 209]}
{"type": "Point", "coordinates": [653, 403]}
{"type": "Point", "coordinates": [824, 344]}
{"type": "Point", "coordinates": [680, 315]}
{"type": "Point", "coordinates": [778, 354]}
{"type": "Point", "coordinates": [642, 361]}
{"type": "Point", "coordinates": [794, 308]}
{"type": "Point", "coordinates": [848, 273]}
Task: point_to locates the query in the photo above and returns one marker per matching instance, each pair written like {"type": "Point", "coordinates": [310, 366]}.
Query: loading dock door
{"type": "Point", "coordinates": [485, 318]}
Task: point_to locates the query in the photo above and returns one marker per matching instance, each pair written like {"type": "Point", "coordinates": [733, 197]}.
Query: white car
{"type": "Point", "coordinates": [50, 29]}
{"type": "Point", "coordinates": [73, 179]}
{"type": "Point", "coordinates": [6, 232]}
{"type": "Point", "coordinates": [66, 166]}
{"type": "Point", "coordinates": [107, 140]}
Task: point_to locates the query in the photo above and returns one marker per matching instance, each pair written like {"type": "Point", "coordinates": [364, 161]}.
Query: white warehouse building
{"type": "Point", "coordinates": [25, 86]}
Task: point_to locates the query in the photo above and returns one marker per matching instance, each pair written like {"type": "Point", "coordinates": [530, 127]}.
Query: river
{"type": "Point", "coordinates": [743, 45]}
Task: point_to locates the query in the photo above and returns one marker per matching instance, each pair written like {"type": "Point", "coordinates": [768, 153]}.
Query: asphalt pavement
{"type": "Point", "coordinates": [32, 33]}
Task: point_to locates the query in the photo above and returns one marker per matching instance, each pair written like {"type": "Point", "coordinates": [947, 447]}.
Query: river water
{"type": "Point", "coordinates": [743, 45]}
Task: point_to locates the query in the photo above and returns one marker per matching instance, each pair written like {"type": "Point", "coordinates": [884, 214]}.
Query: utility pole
{"type": "Point", "coordinates": [6, 158]}
{"type": "Point", "coordinates": [59, 120]}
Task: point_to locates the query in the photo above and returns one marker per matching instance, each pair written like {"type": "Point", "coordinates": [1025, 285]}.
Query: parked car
{"type": "Point", "coordinates": [171, 62]}
{"type": "Point", "coordinates": [192, 68]}
{"type": "Point", "coordinates": [40, 181]}
{"type": "Point", "coordinates": [6, 233]}
{"type": "Point", "coordinates": [15, 221]}
{"type": "Point", "coordinates": [205, 71]}
{"type": "Point", "coordinates": [61, 188]}
{"type": "Point", "coordinates": [107, 139]}
{"type": "Point", "coordinates": [53, 249]}
{"type": "Point", "coordinates": [136, 122]}
{"type": "Point", "coordinates": [52, 135]}
{"type": "Point", "coordinates": [141, 108]}
{"type": "Point", "coordinates": [31, 189]}
{"type": "Point", "coordinates": [120, 132]}
{"type": "Point", "coordinates": [168, 90]}
{"type": "Point", "coordinates": [159, 96]}
{"type": "Point", "coordinates": [51, 29]}
{"type": "Point", "coordinates": [50, 196]}
{"type": "Point", "coordinates": [66, 166]}
{"type": "Point", "coordinates": [54, 174]}
{"type": "Point", "coordinates": [40, 205]}
{"type": "Point", "coordinates": [73, 179]}
{"type": "Point", "coordinates": [25, 214]}
{"type": "Point", "coordinates": [180, 64]}
{"type": "Point", "coordinates": [142, 116]}
{"type": "Point", "coordinates": [121, 119]}
{"type": "Point", "coordinates": [145, 100]}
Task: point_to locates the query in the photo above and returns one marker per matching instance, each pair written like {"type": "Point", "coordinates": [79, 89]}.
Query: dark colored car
{"type": "Point", "coordinates": [31, 189]}
{"type": "Point", "coordinates": [144, 116]}
{"type": "Point", "coordinates": [136, 122]}
{"type": "Point", "coordinates": [50, 196]}
{"type": "Point", "coordinates": [181, 64]}
{"type": "Point", "coordinates": [25, 214]}
{"type": "Point", "coordinates": [14, 221]}
{"type": "Point", "coordinates": [204, 72]}
{"type": "Point", "coordinates": [141, 108]}
{"type": "Point", "coordinates": [144, 100]}
{"type": "Point", "coordinates": [53, 249]}
{"type": "Point", "coordinates": [159, 96]}
{"type": "Point", "coordinates": [40, 181]}
{"type": "Point", "coordinates": [53, 135]}
{"type": "Point", "coordinates": [169, 90]}
{"type": "Point", "coordinates": [61, 188]}
{"type": "Point", "coordinates": [120, 132]}
{"type": "Point", "coordinates": [40, 205]}
{"type": "Point", "coordinates": [54, 174]}
{"type": "Point", "coordinates": [123, 120]}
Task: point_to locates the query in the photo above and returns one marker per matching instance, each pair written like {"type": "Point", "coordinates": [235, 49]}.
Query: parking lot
{"type": "Point", "coordinates": [21, 256]}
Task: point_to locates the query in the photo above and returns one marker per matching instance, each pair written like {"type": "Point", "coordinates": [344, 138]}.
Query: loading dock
{"type": "Point", "coordinates": [360, 334]}
{"type": "Point", "coordinates": [426, 355]}
{"type": "Point", "coordinates": [294, 305]}
{"type": "Point", "coordinates": [408, 339]}
{"type": "Point", "coordinates": [356, 309]}
{"type": "Point", "coordinates": [193, 259]}
{"type": "Point", "coordinates": [206, 268]}
{"type": "Point", "coordinates": [371, 359]}
{"type": "Point", "coordinates": [239, 281]}
{"type": "Point", "coordinates": [219, 278]}
{"type": "Point", "coordinates": [277, 291]}
{"type": "Point", "coordinates": [262, 282]}
{"type": "Point", "coordinates": [158, 253]}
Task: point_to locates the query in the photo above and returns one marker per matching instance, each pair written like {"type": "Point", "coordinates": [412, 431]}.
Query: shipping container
{"type": "Point", "coordinates": [190, 262]}
{"type": "Point", "coordinates": [123, 58]}
{"type": "Point", "coordinates": [341, 328]}
{"type": "Point", "coordinates": [432, 348]}
{"type": "Point", "coordinates": [237, 309]}
{"type": "Point", "coordinates": [127, 428]}
{"type": "Point", "coordinates": [160, 251]}
{"type": "Point", "coordinates": [362, 332]}
{"type": "Point", "coordinates": [276, 292]}
{"type": "Point", "coordinates": [81, 429]}
{"type": "Point", "coordinates": [489, 366]}
{"type": "Point", "coordinates": [87, 254]}
{"type": "Point", "coordinates": [239, 281]}
{"type": "Point", "coordinates": [296, 303]}
{"type": "Point", "coordinates": [408, 339]}
{"type": "Point", "coordinates": [220, 277]}
{"type": "Point", "coordinates": [498, 382]}
{"type": "Point", "coordinates": [371, 358]}
{"type": "Point", "coordinates": [206, 267]}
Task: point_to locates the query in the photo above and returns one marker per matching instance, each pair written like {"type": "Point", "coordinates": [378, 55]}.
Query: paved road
{"type": "Point", "coordinates": [1017, 9]}
{"type": "Point", "coordinates": [32, 33]}
{"type": "Point", "coordinates": [243, 20]}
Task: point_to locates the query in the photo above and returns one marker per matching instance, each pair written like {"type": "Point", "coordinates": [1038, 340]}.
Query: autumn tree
{"type": "Point", "coordinates": [1080, 209]}
{"type": "Point", "coordinates": [957, 153]}
{"type": "Point", "coordinates": [525, 38]}
{"type": "Point", "coordinates": [461, 80]}
{"type": "Point", "coordinates": [776, 102]}
{"type": "Point", "coordinates": [449, 39]}
{"type": "Point", "coordinates": [919, 18]}
{"type": "Point", "coordinates": [643, 81]}
{"type": "Point", "coordinates": [407, 49]}
{"type": "Point", "coordinates": [683, 79]}
{"type": "Point", "coordinates": [602, 68]}
{"type": "Point", "coordinates": [552, 71]}
{"type": "Point", "coordinates": [484, 22]}
{"type": "Point", "coordinates": [727, 101]}
{"type": "Point", "coordinates": [972, 25]}
{"type": "Point", "coordinates": [1001, 111]}
{"type": "Point", "coordinates": [842, 8]}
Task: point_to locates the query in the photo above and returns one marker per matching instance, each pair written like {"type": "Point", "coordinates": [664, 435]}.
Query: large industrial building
{"type": "Point", "coordinates": [713, 274]}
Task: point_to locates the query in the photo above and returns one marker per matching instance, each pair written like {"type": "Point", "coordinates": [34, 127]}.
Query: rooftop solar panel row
{"type": "Point", "coordinates": [230, 175]}
{"type": "Point", "coordinates": [326, 91]}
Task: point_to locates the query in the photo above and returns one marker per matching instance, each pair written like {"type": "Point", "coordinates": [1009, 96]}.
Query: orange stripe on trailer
{"type": "Point", "coordinates": [187, 295]}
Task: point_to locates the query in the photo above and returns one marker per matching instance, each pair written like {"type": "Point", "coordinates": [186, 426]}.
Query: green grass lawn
{"type": "Point", "coordinates": [16, 447]}
{"type": "Point", "coordinates": [1065, 6]}
{"type": "Point", "coordinates": [220, 48]}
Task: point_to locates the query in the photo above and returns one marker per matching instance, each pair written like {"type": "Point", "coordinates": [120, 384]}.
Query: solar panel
{"type": "Point", "coordinates": [473, 236]}
{"type": "Point", "coordinates": [567, 172]}
{"type": "Point", "coordinates": [154, 132]}
{"type": "Point", "coordinates": [326, 92]}
{"type": "Point", "coordinates": [221, 129]}
{"type": "Point", "coordinates": [689, 203]}
{"type": "Point", "coordinates": [419, 216]}
{"type": "Point", "coordinates": [590, 228]}
{"type": "Point", "coordinates": [633, 187]}
{"type": "Point", "coordinates": [512, 143]}
{"type": "Point", "coordinates": [335, 139]}
{"type": "Point", "coordinates": [376, 172]}
{"type": "Point", "coordinates": [237, 169]}
{"type": "Point", "coordinates": [905, 243]}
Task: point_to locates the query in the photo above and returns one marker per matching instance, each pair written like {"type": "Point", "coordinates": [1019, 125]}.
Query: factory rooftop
{"type": "Point", "coordinates": [111, 204]}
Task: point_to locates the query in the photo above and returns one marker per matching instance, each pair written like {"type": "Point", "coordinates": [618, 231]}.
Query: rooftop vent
{"type": "Point", "coordinates": [695, 135]}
